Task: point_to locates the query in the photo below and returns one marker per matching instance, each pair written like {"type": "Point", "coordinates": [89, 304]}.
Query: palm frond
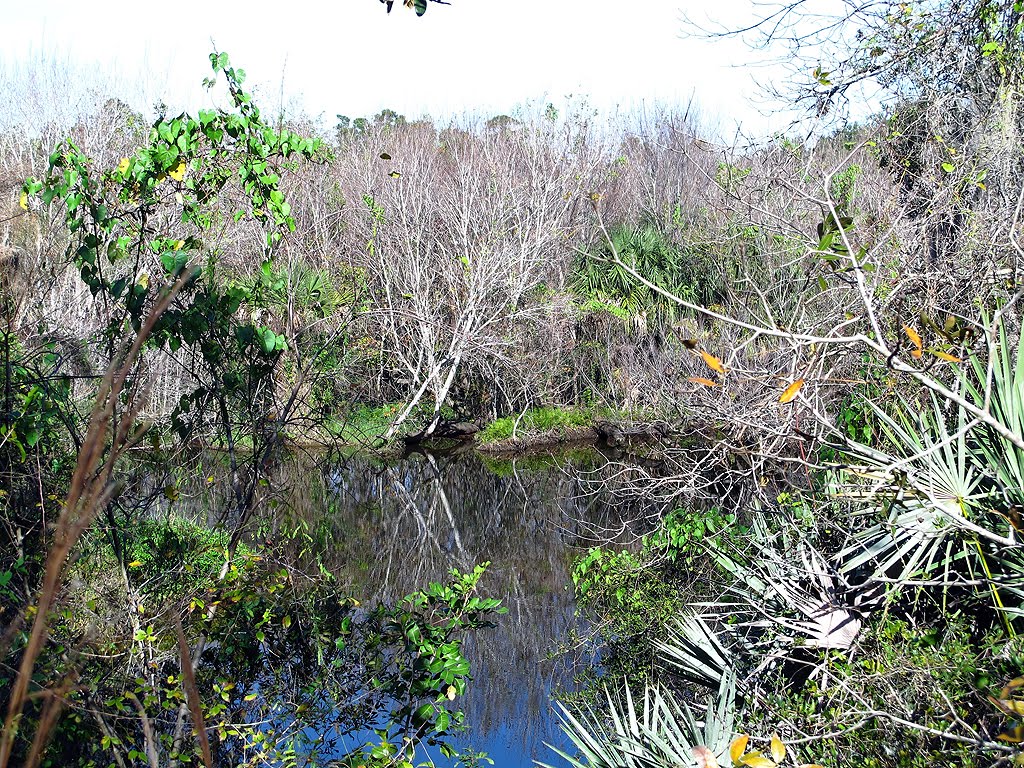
{"type": "Point", "coordinates": [997, 456]}
{"type": "Point", "coordinates": [925, 494]}
{"type": "Point", "coordinates": [797, 595]}
{"type": "Point", "coordinates": [695, 651]}
{"type": "Point", "coordinates": [663, 734]}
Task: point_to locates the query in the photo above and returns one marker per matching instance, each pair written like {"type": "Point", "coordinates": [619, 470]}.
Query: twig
{"type": "Point", "coordinates": [976, 741]}
{"type": "Point", "coordinates": [147, 730]}
{"type": "Point", "coordinates": [192, 693]}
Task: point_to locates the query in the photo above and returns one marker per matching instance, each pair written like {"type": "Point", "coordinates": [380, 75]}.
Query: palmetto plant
{"type": "Point", "coordinates": [696, 652]}
{"type": "Point", "coordinates": [659, 732]}
{"type": "Point", "coordinates": [305, 289]}
{"type": "Point", "coordinates": [687, 273]}
{"type": "Point", "coordinates": [948, 491]}
{"type": "Point", "coordinates": [784, 597]}
{"type": "Point", "coordinates": [1002, 462]}
{"type": "Point", "coordinates": [798, 596]}
{"type": "Point", "coordinates": [926, 494]}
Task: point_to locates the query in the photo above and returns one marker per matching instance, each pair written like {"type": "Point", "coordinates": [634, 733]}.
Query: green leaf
{"type": "Point", "coordinates": [443, 721]}
{"type": "Point", "coordinates": [270, 342]}
{"type": "Point", "coordinates": [424, 713]}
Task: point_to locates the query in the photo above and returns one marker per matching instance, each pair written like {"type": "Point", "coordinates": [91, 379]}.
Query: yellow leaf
{"type": "Point", "coordinates": [123, 165]}
{"type": "Point", "coordinates": [778, 748]}
{"type": "Point", "coordinates": [914, 337]}
{"type": "Point", "coordinates": [945, 356]}
{"type": "Point", "coordinates": [178, 172]}
{"type": "Point", "coordinates": [916, 354]}
{"type": "Point", "coordinates": [789, 394]}
{"type": "Point", "coordinates": [739, 744]}
{"type": "Point", "coordinates": [394, 174]}
{"type": "Point", "coordinates": [1011, 707]}
{"type": "Point", "coordinates": [179, 244]}
{"type": "Point", "coordinates": [712, 362]}
{"type": "Point", "coordinates": [701, 380]}
{"type": "Point", "coordinates": [809, 765]}
{"type": "Point", "coordinates": [135, 564]}
{"type": "Point", "coordinates": [1014, 684]}
{"type": "Point", "coordinates": [756, 760]}
{"type": "Point", "coordinates": [450, 693]}
{"type": "Point", "coordinates": [23, 201]}
{"type": "Point", "coordinates": [1014, 735]}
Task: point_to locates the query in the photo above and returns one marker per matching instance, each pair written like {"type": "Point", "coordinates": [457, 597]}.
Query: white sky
{"type": "Point", "coordinates": [482, 57]}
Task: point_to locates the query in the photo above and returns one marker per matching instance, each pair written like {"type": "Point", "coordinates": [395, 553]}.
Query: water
{"type": "Point", "coordinates": [395, 526]}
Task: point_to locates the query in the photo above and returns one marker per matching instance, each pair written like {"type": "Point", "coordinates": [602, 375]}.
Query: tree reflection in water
{"type": "Point", "coordinates": [393, 526]}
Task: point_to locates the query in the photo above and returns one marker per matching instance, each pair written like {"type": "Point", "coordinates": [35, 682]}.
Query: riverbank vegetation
{"type": "Point", "coordinates": [824, 332]}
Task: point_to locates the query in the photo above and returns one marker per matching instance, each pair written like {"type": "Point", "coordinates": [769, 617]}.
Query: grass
{"type": "Point", "coordinates": [537, 421]}
{"type": "Point", "coordinates": [362, 425]}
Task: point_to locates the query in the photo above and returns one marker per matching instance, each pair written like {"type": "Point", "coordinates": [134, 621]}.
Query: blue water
{"type": "Point", "coordinates": [404, 523]}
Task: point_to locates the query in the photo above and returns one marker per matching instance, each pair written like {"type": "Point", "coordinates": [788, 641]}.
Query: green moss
{"type": "Point", "coordinates": [537, 421]}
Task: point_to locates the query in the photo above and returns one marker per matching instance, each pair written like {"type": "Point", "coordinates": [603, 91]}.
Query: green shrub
{"type": "Point", "coordinates": [937, 672]}
{"type": "Point", "coordinates": [634, 595]}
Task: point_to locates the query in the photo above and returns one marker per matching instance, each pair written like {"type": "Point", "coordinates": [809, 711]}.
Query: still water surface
{"type": "Point", "coordinates": [397, 525]}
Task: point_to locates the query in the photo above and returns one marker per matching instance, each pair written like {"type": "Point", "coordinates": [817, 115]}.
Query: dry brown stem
{"type": "Point", "coordinates": [90, 490]}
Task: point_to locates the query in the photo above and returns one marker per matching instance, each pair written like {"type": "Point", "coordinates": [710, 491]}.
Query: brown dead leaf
{"type": "Point", "coordinates": [705, 757]}
{"type": "Point", "coordinates": [736, 749]}
{"type": "Point", "coordinates": [1011, 707]}
{"type": "Point", "coordinates": [778, 749]}
{"type": "Point", "coordinates": [1013, 685]}
{"type": "Point", "coordinates": [1014, 735]}
{"type": "Point", "coordinates": [756, 760]}
{"type": "Point", "coordinates": [914, 337]}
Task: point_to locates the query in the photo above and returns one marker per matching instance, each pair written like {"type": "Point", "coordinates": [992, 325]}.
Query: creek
{"type": "Point", "coordinates": [395, 525]}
